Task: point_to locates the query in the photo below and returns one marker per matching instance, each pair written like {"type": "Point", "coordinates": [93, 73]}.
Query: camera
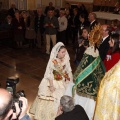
{"type": "Point", "coordinates": [11, 84]}
{"type": "Point", "coordinates": [16, 97]}
{"type": "Point", "coordinates": [11, 87]}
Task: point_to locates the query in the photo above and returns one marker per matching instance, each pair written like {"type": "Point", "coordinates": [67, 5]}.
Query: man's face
{"type": "Point", "coordinates": [78, 4]}
{"type": "Point", "coordinates": [39, 11]}
{"type": "Point", "coordinates": [50, 4]}
{"type": "Point", "coordinates": [50, 13]}
{"type": "Point", "coordinates": [104, 31]}
{"type": "Point", "coordinates": [13, 6]}
{"type": "Point", "coordinates": [75, 11]}
{"type": "Point", "coordinates": [67, 6]}
{"type": "Point", "coordinates": [90, 17]}
{"type": "Point", "coordinates": [17, 15]}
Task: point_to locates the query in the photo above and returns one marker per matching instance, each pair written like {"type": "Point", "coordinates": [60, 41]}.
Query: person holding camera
{"type": "Point", "coordinates": [68, 111]}
{"type": "Point", "coordinates": [6, 107]}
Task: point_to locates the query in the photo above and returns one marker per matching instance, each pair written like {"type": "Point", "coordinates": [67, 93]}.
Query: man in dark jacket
{"type": "Point", "coordinates": [67, 110]}
{"type": "Point", "coordinates": [74, 25]}
{"type": "Point", "coordinates": [92, 20]}
{"type": "Point", "coordinates": [104, 46]}
{"type": "Point", "coordinates": [49, 7]}
{"type": "Point", "coordinates": [51, 26]}
{"type": "Point", "coordinates": [12, 10]}
{"type": "Point", "coordinates": [39, 28]}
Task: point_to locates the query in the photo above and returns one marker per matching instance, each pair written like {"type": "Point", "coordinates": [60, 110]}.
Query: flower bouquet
{"type": "Point", "coordinates": [57, 75]}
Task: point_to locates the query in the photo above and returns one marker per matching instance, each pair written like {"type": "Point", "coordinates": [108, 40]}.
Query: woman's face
{"type": "Point", "coordinates": [81, 19]}
{"type": "Point", "coordinates": [17, 15]}
{"type": "Point", "coordinates": [111, 42]}
{"type": "Point", "coordinates": [24, 15]}
{"type": "Point", "coordinates": [67, 12]}
{"type": "Point", "coordinates": [85, 33]}
{"type": "Point", "coordinates": [61, 53]}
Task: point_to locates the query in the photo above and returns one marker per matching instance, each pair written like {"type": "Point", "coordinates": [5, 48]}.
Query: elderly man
{"type": "Point", "coordinates": [92, 20]}
{"type": "Point", "coordinates": [104, 46]}
{"type": "Point", "coordinates": [6, 102]}
{"type": "Point", "coordinates": [67, 110]}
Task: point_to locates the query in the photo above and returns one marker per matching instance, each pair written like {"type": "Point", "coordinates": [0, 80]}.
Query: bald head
{"type": "Point", "coordinates": [105, 30]}
{"type": "Point", "coordinates": [5, 96]}
{"type": "Point", "coordinates": [5, 103]}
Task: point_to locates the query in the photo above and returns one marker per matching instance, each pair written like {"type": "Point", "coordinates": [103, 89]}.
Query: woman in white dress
{"type": "Point", "coordinates": [52, 87]}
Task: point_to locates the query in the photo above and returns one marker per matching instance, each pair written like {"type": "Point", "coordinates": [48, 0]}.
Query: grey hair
{"type": "Point", "coordinates": [67, 103]}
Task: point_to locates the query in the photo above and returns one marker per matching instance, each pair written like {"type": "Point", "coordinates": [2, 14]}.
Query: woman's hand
{"type": "Point", "coordinates": [52, 88]}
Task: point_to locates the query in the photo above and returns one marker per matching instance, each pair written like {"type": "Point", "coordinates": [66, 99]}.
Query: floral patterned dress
{"type": "Point", "coordinates": [46, 103]}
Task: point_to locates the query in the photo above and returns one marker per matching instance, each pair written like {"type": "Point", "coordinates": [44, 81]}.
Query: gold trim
{"type": "Point", "coordinates": [95, 35]}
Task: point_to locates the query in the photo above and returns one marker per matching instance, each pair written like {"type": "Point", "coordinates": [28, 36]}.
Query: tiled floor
{"type": "Point", "coordinates": [29, 65]}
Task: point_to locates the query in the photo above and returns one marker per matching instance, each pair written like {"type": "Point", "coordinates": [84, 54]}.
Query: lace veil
{"type": "Point", "coordinates": [53, 55]}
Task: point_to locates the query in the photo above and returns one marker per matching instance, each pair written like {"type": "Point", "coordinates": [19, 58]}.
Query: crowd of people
{"type": "Point", "coordinates": [61, 94]}
{"type": "Point", "coordinates": [38, 26]}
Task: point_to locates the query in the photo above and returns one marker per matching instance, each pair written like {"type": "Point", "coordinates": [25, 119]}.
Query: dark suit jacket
{"type": "Point", "coordinates": [93, 24]}
{"type": "Point", "coordinates": [41, 23]}
{"type": "Point", "coordinates": [75, 21]}
{"type": "Point", "coordinates": [78, 113]}
{"type": "Point", "coordinates": [17, 24]}
{"type": "Point", "coordinates": [103, 48]}
{"type": "Point", "coordinates": [85, 24]}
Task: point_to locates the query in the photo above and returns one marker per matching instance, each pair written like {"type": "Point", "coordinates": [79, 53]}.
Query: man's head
{"type": "Point", "coordinates": [50, 4]}
{"type": "Point", "coordinates": [105, 30]}
{"type": "Point", "coordinates": [13, 6]}
{"type": "Point", "coordinates": [67, 103]}
{"type": "Point", "coordinates": [79, 5]}
{"type": "Point", "coordinates": [67, 6]}
{"type": "Point", "coordinates": [92, 16]}
{"type": "Point", "coordinates": [5, 103]}
{"type": "Point", "coordinates": [39, 11]}
{"type": "Point", "coordinates": [50, 13]}
{"type": "Point", "coordinates": [75, 11]}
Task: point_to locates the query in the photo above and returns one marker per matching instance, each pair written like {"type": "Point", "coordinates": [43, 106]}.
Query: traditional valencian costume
{"type": "Point", "coordinates": [87, 79]}
{"type": "Point", "coordinates": [46, 103]}
{"type": "Point", "coordinates": [108, 100]}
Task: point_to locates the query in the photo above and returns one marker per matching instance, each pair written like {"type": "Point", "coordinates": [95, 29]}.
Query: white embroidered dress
{"type": "Point", "coordinates": [46, 103]}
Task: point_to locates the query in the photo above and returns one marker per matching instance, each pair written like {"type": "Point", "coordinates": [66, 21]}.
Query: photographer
{"type": "Point", "coordinates": [69, 111]}
{"type": "Point", "coordinates": [6, 103]}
